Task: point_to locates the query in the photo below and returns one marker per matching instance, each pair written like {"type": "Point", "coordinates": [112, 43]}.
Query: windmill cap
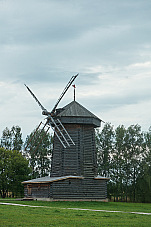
{"type": "Point", "coordinates": [75, 113]}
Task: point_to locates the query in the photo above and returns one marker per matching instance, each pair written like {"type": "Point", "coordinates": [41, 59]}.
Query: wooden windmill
{"type": "Point", "coordinates": [74, 167]}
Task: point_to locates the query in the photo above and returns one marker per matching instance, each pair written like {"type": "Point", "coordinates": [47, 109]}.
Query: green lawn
{"type": "Point", "coordinates": [53, 214]}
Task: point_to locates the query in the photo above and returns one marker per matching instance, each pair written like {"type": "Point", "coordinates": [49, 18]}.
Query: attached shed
{"type": "Point", "coordinates": [66, 188]}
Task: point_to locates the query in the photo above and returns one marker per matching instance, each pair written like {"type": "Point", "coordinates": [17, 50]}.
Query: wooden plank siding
{"type": "Point", "coordinates": [37, 190]}
{"type": "Point", "coordinates": [79, 189]}
{"type": "Point", "coordinates": [87, 188]}
{"type": "Point", "coordinates": [79, 160]}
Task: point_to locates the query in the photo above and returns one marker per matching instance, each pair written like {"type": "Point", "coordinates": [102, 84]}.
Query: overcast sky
{"type": "Point", "coordinates": [44, 42]}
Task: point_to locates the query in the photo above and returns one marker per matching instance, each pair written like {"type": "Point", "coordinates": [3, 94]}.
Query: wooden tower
{"type": "Point", "coordinates": [74, 168]}
{"type": "Point", "coordinates": [79, 159]}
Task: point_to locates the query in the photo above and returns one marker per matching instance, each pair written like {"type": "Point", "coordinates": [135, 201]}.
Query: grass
{"type": "Point", "coordinates": [54, 215]}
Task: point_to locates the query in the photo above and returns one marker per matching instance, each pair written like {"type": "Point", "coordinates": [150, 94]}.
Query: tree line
{"type": "Point", "coordinates": [18, 164]}
{"type": "Point", "coordinates": [123, 155]}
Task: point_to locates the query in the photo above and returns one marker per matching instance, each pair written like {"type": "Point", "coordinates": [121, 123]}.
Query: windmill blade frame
{"type": "Point", "coordinates": [39, 103]}
{"type": "Point", "coordinates": [52, 120]}
{"type": "Point", "coordinates": [45, 133]}
{"type": "Point", "coordinates": [64, 91]}
{"type": "Point", "coordinates": [35, 137]}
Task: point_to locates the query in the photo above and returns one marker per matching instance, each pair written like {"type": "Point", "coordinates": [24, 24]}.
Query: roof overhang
{"type": "Point", "coordinates": [81, 120]}
{"type": "Point", "coordinates": [101, 178]}
{"type": "Point", "coordinates": [44, 180]}
{"type": "Point", "coordinates": [75, 113]}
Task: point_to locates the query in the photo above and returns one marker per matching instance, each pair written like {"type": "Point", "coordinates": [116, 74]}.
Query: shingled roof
{"type": "Point", "coordinates": [74, 109]}
{"type": "Point", "coordinates": [79, 114]}
{"type": "Point", "coordinates": [48, 179]}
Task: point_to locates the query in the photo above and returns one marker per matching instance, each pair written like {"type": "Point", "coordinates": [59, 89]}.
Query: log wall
{"type": "Point", "coordinates": [37, 190]}
{"type": "Point", "coordinates": [79, 160]}
{"type": "Point", "coordinates": [81, 189]}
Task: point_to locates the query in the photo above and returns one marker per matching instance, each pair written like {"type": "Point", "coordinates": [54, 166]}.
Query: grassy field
{"type": "Point", "coordinates": [52, 214]}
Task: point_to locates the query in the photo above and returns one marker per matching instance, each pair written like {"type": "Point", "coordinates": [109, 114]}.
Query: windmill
{"type": "Point", "coordinates": [74, 169]}
{"type": "Point", "coordinates": [52, 121]}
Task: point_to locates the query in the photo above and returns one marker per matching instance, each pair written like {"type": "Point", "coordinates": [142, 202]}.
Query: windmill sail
{"type": "Point", "coordinates": [61, 133]}
{"type": "Point", "coordinates": [64, 91]}
{"type": "Point", "coordinates": [53, 121]}
{"type": "Point", "coordinates": [35, 98]}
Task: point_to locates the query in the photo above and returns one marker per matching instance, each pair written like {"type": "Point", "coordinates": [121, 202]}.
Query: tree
{"type": "Point", "coordinates": [104, 144]}
{"type": "Point", "coordinates": [143, 182]}
{"type": "Point", "coordinates": [120, 157]}
{"type": "Point", "coordinates": [117, 162]}
{"type": "Point", "coordinates": [39, 152]}
{"type": "Point", "coordinates": [12, 139]}
{"type": "Point", "coordinates": [17, 141]}
{"type": "Point", "coordinates": [6, 140]}
{"type": "Point", "coordinates": [13, 170]}
{"type": "Point", "coordinates": [134, 141]}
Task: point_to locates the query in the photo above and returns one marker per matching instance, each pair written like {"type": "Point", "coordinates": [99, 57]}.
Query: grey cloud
{"type": "Point", "coordinates": [52, 21]}
{"type": "Point", "coordinates": [44, 42]}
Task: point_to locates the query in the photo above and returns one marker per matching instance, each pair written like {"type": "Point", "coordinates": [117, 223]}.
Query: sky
{"type": "Point", "coordinates": [45, 42]}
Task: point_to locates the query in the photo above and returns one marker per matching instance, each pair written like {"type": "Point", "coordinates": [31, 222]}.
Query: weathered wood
{"type": "Point", "coordinates": [87, 188]}
{"type": "Point", "coordinates": [78, 160]}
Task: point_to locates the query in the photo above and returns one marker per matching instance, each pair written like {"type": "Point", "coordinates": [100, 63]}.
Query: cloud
{"type": "Point", "coordinates": [43, 43]}
{"type": "Point", "coordinates": [141, 65]}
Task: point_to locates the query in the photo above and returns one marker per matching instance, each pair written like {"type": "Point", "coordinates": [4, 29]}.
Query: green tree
{"type": "Point", "coordinates": [104, 144]}
{"type": "Point", "coordinates": [133, 157]}
{"type": "Point", "coordinates": [13, 170]}
{"type": "Point", "coordinates": [17, 141]}
{"type": "Point", "coordinates": [120, 157]}
{"type": "Point", "coordinates": [6, 139]}
{"type": "Point", "coordinates": [12, 138]}
{"type": "Point", "coordinates": [39, 147]}
{"type": "Point", "coordinates": [117, 162]}
{"type": "Point", "coordinates": [143, 183]}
